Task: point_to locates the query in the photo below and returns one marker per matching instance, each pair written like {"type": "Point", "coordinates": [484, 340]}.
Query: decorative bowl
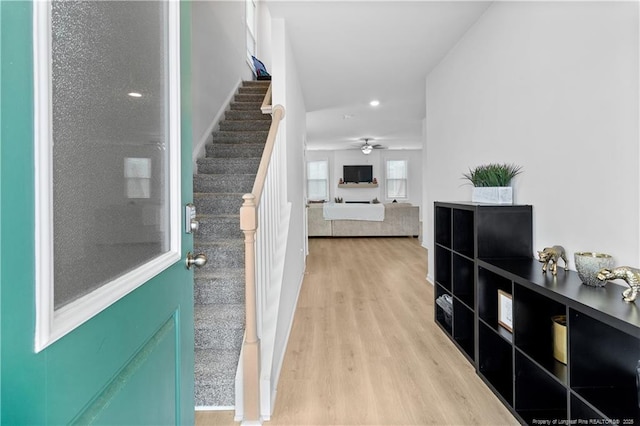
{"type": "Point", "coordinates": [589, 263]}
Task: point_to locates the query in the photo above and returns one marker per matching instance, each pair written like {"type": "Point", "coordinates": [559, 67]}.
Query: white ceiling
{"type": "Point", "coordinates": [350, 52]}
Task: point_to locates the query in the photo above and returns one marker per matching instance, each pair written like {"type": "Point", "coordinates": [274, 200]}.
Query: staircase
{"type": "Point", "coordinates": [226, 173]}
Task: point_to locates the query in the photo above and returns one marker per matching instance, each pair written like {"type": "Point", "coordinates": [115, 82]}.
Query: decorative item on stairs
{"type": "Point", "coordinates": [630, 275]}
{"type": "Point", "coordinates": [492, 182]}
{"type": "Point", "coordinates": [261, 70]}
{"type": "Point", "coordinates": [551, 255]}
{"type": "Point", "coordinates": [588, 264]}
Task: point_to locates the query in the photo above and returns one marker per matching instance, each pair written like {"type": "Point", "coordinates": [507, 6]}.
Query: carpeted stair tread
{"type": "Point", "coordinates": [215, 377]}
{"type": "Point", "coordinates": [245, 125]}
{"type": "Point", "coordinates": [215, 391]}
{"type": "Point", "coordinates": [249, 97]}
{"type": "Point", "coordinates": [237, 115]}
{"type": "Point", "coordinates": [218, 338]}
{"type": "Point", "coordinates": [219, 273]}
{"type": "Point", "coordinates": [228, 252]}
{"type": "Point", "coordinates": [223, 182]}
{"type": "Point", "coordinates": [264, 83]}
{"type": "Point", "coordinates": [245, 106]}
{"type": "Point", "coordinates": [241, 136]}
{"type": "Point", "coordinates": [217, 203]}
{"type": "Point", "coordinates": [210, 317]}
{"type": "Point", "coordinates": [220, 150]}
{"type": "Point", "coordinates": [212, 361]}
{"type": "Point", "coordinates": [219, 326]}
{"type": "Point", "coordinates": [215, 227]}
{"type": "Point", "coordinates": [228, 165]}
{"type": "Point", "coordinates": [224, 286]}
{"type": "Point", "coordinates": [262, 90]}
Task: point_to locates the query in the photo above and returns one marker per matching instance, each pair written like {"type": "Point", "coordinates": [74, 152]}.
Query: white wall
{"type": "Point", "coordinates": [264, 49]}
{"type": "Point", "coordinates": [287, 92]}
{"type": "Point", "coordinates": [552, 86]}
{"type": "Point", "coordinates": [337, 159]}
{"type": "Point", "coordinates": [218, 61]}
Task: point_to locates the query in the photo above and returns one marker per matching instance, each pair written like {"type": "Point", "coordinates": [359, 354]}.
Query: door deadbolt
{"type": "Point", "coordinates": [190, 223]}
{"type": "Point", "coordinates": [199, 260]}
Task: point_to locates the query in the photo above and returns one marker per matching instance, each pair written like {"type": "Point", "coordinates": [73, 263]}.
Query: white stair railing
{"type": "Point", "coordinates": [260, 217]}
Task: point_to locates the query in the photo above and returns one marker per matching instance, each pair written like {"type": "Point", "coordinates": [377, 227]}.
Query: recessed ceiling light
{"type": "Point", "coordinates": [374, 102]}
{"type": "Point", "coordinates": [135, 94]}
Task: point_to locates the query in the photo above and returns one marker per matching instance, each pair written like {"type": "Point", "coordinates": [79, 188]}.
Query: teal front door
{"type": "Point", "coordinates": [96, 302]}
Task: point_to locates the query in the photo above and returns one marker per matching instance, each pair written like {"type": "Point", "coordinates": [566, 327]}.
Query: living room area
{"type": "Point", "coordinates": [351, 194]}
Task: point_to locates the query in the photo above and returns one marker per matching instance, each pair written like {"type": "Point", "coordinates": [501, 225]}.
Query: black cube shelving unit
{"type": "Point", "coordinates": [480, 250]}
{"type": "Point", "coordinates": [464, 232]}
{"type": "Point", "coordinates": [597, 385]}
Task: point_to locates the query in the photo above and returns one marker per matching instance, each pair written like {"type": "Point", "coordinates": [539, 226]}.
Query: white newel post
{"type": "Point", "coordinates": [251, 350]}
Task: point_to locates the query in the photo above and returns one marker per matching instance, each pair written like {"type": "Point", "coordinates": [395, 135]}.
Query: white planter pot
{"type": "Point", "coordinates": [492, 195]}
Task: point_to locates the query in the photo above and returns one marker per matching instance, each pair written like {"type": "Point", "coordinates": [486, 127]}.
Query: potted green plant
{"type": "Point", "coordinates": [492, 182]}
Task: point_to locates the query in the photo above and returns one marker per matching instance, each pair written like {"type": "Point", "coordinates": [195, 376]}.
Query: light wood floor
{"type": "Point", "coordinates": [365, 350]}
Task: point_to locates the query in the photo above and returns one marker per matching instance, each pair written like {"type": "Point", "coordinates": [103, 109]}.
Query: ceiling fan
{"type": "Point", "coordinates": [367, 147]}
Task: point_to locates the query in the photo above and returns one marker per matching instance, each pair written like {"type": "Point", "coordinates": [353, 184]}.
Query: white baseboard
{"type": "Point", "coordinates": [281, 361]}
{"type": "Point", "coordinates": [214, 408]}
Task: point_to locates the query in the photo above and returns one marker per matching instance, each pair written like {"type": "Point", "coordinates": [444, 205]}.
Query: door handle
{"type": "Point", "coordinates": [199, 260]}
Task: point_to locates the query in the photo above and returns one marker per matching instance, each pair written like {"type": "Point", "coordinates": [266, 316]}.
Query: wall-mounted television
{"type": "Point", "coordinates": [357, 174]}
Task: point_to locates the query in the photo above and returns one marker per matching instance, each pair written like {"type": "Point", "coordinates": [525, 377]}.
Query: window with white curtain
{"type": "Point", "coordinates": [250, 14]}
{"type": "Point", "coordinates": [318, 180]}
{"type": "Point", "coordinates": [396, 179]}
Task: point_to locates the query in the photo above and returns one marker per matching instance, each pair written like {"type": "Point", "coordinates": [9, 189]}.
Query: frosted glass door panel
{"type": "Point", "coordinates": [110, 137]}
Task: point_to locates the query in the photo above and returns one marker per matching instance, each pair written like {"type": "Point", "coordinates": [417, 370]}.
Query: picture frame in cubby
{"type": "Point", "coordinates": [505, 310]}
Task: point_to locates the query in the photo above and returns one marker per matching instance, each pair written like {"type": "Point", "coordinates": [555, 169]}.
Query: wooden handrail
{"type": "Point", "coordinates": [261, 175]}
{"type": "Point", "coordinates": [266, 103]}
{"type": "Point", "coordinates": [249, 225]}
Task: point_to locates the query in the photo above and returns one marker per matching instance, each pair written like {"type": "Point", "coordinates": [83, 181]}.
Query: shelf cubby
{"type": "Point", "coordinates": [445, 323]}
{"type": "Point", "coordinates": [463, 235]}
{"type": "Point", "coordinates": [488, 285]}
{"type": "Point", "coordinates": [538, 396]}
{"type": "Point", "coordinates": [443, 267]}
{"type": "Point", "coordinates": [464, 329]}
{"type": "Point", "coordinates": [582, 413]}
{"type": "Point", "coordinates": [533, 328]}
{"type": "Point", "coordinates": [603, 366]}
{"type": "Point", "coordinates": [463, 279]}
{"type": "Point", "coordinates": [495, 362]}
{"type": "Point", "coordinates": [443, 226]}
{"type": "Point", "coordinates": [504, 232]}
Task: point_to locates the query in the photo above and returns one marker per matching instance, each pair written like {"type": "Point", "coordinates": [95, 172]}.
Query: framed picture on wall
{"type": "Point", "coordinates": [505, 310]}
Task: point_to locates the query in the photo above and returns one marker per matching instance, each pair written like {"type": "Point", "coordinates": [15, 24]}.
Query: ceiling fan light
{"type": "Point", "coordinates": [366, 149]}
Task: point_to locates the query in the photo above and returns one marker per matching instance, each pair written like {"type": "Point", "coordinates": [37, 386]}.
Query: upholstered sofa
{"type": "Point", "coordinates": [400, 219]}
